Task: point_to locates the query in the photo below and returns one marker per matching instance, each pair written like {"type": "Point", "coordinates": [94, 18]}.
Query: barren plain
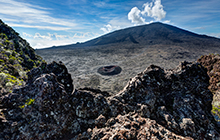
{"type": "Point", "coordinates": [133, 49]}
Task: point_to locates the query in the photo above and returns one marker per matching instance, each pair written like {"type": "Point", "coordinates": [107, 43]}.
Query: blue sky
{"type": "Point", "coordinates": [44, 23]}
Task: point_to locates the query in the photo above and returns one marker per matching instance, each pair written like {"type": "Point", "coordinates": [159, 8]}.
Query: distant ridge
{"type": "Point", "coordinates": [150, 34]}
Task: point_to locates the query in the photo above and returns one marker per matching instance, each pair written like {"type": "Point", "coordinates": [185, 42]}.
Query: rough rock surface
{"type": "Point", "coordinates": [212, 63]}
{"type": "Point", "coordinates": [48, 107]}
{"type": "Point", "coordinates": [59, 69]}
{"type": "Point", "coordinates": [177, 99]}
{"type": "Point", "coordinates": [156, 104]}
{"type": "Point", "coordinates": [130, 126]}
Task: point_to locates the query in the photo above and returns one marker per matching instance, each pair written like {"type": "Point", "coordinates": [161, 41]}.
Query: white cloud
{"type": "Point", "coordinates": [116, 24]}
{"type": "Point", "coordinates": [20, 14]}
{"type": "Point", "coordinates": [135, 16]}
{"type": "Point", "coordinates": [47, 40]}
{"type": "Point", "coordinates": [39, 36]}
{"type": "Point", "coordinates": [166, 21]}
{"type": "Point", "coordinates": [109, 28]}
{"type": "Point", "coordinates": [55, 28]}
{"type": "Point", "coordinates": [100, 4]}
{"type": "Point", "coordinates": [27, 35]}
{"type": "Point", "coordinates": [58, 37]}
{"type": "Point", "coordinates": [153, 10]}
{"type": "Point", "coordinates": [82, 35]}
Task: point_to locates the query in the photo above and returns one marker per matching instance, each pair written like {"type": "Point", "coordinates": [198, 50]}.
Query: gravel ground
{"type": "Point", "coordinates": [82, 63]}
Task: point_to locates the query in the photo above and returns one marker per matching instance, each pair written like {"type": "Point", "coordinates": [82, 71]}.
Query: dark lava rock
{"type": "Point", "coordinates": [130, 127]}
{"type": "Point", "coordinates": [155, 104]}
{"type": "Point", "coordinates": [109, 70]}
{"type": "Point", "coordinates": [177, 102]}
{"type": "Point", "coordinates": [47, 108]}
{"type": "Point", "coordinates": [59, 69]}
{"type": "Point", "coordinates": [212, 63]}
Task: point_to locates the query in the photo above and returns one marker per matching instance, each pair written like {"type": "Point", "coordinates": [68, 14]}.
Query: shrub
{"type": "Point", "coordinates": [216, 112]}
{"type": "Point", "coordinates": [12, 59]}
{"type": "Point", "coordinates": [9, 80]}
{"type": "Point", "coordinates": [4, 36]}
{"type": "Point", "coordinates": [20, 60]}
{"type": "Point", "coordinates": [28, 102]}
{"type": "Point", "coordinates": [2, 61]}
{"type": "Point", "coordinates": [7, 42]}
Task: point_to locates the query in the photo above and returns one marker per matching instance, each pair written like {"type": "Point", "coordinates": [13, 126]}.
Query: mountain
{"type": "Point", "coordinates": [151, 34]}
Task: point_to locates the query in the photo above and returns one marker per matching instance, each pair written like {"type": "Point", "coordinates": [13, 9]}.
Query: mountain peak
{"type": "Point", "coordinates": [149, 34]}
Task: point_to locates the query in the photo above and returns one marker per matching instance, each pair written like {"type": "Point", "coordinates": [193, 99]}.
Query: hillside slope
{"type": "Point", "coordinates": [16, 59]}
{"type": "Point", "coordinates": [155, 33]}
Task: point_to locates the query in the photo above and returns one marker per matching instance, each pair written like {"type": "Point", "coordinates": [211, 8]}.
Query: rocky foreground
{"type": "Point", "coordinates": [155, 104]}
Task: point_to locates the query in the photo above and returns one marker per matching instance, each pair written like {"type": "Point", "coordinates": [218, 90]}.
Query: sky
{"type": "Point", "coordinates": [46, 23]}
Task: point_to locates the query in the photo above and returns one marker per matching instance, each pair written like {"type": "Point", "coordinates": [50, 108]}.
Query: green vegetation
{"type": "Point", "coordinates": [6, 78]}
{"type": "Point", "coordinates": [27, 103]}
{"type": "Point", "coordinates": [9, 81]}
{"type": "Point", "coordinates": [2, 61]}
{"type": "Point", "coordinates": [16, 59]}
{"type": "Point", "coordinates": [12, 59]}
{"type": "Point", "coordinates": [216, 111]}
{"type": "Point", "coordinates": [4, 36]}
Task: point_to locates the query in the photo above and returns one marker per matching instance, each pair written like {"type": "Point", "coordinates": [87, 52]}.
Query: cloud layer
{"type": "Point", "coordinates": [20, 14]}
{"type": "Point", "coordinates": [153, 10]}
{"type": "Point", "coordinates": [53, 39]}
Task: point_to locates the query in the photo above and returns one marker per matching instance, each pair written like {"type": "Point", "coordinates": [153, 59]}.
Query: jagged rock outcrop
{"type": "Point", "coordinates": [156, 104]}
{"type": "Point", "coordinates": [16, 58]}
{"type": "Point", "coordinates": [48, 106]}
{"type": "Point", "coordinates": [177, 99]}
{"type": "Point", "coordinates": [212, 63]}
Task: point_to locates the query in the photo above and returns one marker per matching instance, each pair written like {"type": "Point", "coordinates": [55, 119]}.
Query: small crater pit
{"type": "Point", "coordinates": [109, 70]}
